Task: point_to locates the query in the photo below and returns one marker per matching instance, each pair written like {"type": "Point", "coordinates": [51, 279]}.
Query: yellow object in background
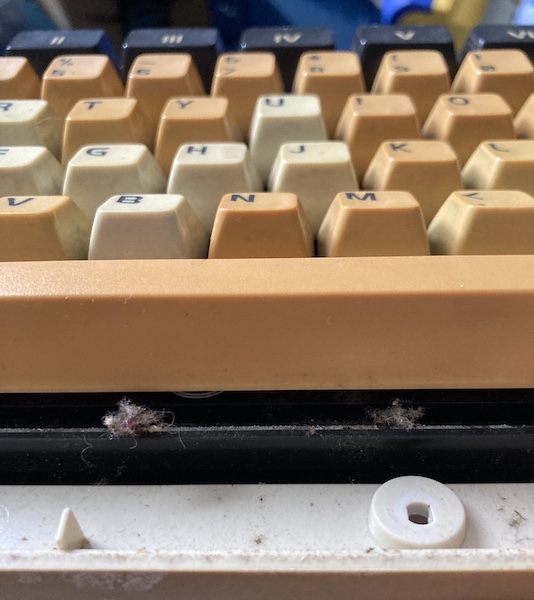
{"type": "Point", "coordinates": [459, 16]}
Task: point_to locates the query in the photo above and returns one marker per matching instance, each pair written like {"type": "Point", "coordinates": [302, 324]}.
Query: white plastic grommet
{"type": "Point", "coordinates": [416, 512]}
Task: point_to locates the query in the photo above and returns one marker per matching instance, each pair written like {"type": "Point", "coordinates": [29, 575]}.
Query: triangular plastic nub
{"type": "Point", "coordinates": [69, 534]}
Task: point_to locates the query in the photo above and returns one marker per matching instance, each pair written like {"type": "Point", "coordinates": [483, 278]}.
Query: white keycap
{"type": "Point", "coordinates": [315, 172]}
{"type": "Point", "coordinates": [96, 173]}
{"type": "Point", "coordinates": [29, 170]}
{"type": "Point", "coordinates": [204, 173]}
{"type": "Point", "coordinates": [280, 119]}
{"type": "Point", "coordinates": [30, 123]}
{"type": "Point", "coordinates": [147, 226]}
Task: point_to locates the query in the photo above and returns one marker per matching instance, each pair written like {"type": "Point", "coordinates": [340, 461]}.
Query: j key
{"type": "Point", "coordinates": [287, 44]}
{"type": "Point", "coordinates": [202, 43]}
{"type": "Point", "coordinates": [372, 42]}
{"type": "Point", "coordinates": [41, 47]}
{"type": "Point", "coordinates": [483, 37]}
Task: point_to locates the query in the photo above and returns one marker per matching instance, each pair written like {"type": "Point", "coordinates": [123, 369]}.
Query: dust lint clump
{"type": "Point", "coordinates": [134, 419]}
{"type": "Point", "coordinates": [397, 415]}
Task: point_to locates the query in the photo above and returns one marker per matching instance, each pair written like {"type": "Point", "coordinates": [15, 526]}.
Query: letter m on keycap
{"type": "Point", "coordinates": [366, 196]}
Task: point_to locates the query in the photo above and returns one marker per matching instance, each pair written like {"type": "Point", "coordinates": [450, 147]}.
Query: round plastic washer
{"type": "Point", "coordinates": [416, 512]}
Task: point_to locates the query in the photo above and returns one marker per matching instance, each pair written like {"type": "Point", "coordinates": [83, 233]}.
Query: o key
{"type": "Point", "coordinates": [465, 120]}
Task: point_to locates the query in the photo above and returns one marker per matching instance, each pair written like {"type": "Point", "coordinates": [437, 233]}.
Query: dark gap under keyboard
{"type": "Point", "coordinates": [272, 437]}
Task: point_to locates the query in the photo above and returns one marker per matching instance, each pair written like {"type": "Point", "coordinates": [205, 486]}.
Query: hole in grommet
{"type": "Point", "coordinates": [420, 513]}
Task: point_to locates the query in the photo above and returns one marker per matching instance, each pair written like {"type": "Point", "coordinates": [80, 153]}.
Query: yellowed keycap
{"type": "Point", "coordinates": [422, 74]}
{"type": "Point", "coordinates": [501, 165]}
{"type": "Point", "coordinates": [484, 222]}
{"type": "Point", "coordinates": [241, 78]}
{"type": "Point", "coordinates": [369, 120]}
{"type": "Point", "coordinates": [29, 170]}
{"type": "Point", "coordinates": [69, 79]}
{"type": "Point", "coordinates": [193, 119]}
{"type": "Point", "coordinates": [524, 121]}
{"type": "Point", "coordinates": [96, 173]}
{"type": "Point", "coordinates": [203, 173]}
{"type": "Point", "coordinates": [30, 123]}
{"type": "Point", "coordinates": [466, 120]}
{"type": "Point", "coordinates": [104, 121]}
{"type": "Point", "coordinates": [333, 76]}
{"type": "Point", "coordinates": [147, 226]}
{"type": "Point", "coordinates": [261, 225]}
{"type": "Point", "coordinates": [427, 169]}
{"type": "Point", "coordinates": [42, 228]}
{"type": "Point", "coordinates": [154, 78]}
{"type": "Point", "coordinates": [369, 223]}
{"type": "Point", "coordinates": [18, 80]}
{"type": "Point", "coordinates": [505, 72]}
{"type": "Point", "coordinates": [315, 172]}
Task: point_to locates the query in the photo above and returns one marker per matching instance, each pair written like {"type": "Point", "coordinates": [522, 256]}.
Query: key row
{"type": "Point", "coordinates": [463, 121]}
{"type": "Point", "coordinates": [265, 225]}
{"type": "Point", "coordinates": [242, 77]}
{"type": "Point", "coordinates": [314, 171]}
{"type": "Point", "coordinates": [287, 43]}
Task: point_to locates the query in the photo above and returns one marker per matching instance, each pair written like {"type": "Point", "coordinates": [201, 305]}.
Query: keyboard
{"type": "Point", "coordinates": [283, 292]}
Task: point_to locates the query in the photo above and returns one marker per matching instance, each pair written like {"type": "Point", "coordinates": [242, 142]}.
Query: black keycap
{"type": "Point", "coordinates": [372, 42]}
{"type": "Point", "coordinates": [484, 37]}
{"type": "Point", "coordinates": [41, 47]}
{"type": "Point", "coordinates": [287, 44]}
{"type": "Point", "coordinates": [202, 43]}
